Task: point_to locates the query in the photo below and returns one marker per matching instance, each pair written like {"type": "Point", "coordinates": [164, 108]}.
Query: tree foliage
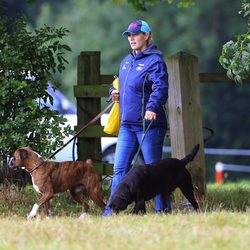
{"type": "Point", "coordinates": [235, 57]}
{"type": "Point", "coordinates": [27, 62]}
{"type": "Point", "coordinates": [142, 5]}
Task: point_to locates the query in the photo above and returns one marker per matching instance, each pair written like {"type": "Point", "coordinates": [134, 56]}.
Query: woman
{"type": "Point", "coordinates": [143, 92]}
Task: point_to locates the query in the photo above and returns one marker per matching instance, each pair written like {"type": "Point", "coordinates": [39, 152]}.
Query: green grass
{"type": "Point", "coordinates": [215, 230]}
{"type": "Point", "coordinates": [229, 196]}
{"type": "Point", "coordinates": [223, 223]}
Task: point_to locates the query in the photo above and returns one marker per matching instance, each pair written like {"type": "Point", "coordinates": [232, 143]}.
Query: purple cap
{"type": "Point", "coordinates": [137, 27]}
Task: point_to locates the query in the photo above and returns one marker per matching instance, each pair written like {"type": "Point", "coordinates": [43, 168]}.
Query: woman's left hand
{"type": "Point", "coordinates": [150, 115]}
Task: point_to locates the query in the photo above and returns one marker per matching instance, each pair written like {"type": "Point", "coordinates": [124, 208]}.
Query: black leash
{"type": "Point", "coordinates": [143, 137]}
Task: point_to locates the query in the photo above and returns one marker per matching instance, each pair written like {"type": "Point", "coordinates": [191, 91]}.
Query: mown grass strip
{"type": "Point", "coordinates": [222, 224]}
{"type": "Point", "coordinates": [215, 230]}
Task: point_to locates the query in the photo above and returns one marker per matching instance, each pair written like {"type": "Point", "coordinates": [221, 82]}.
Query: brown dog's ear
{"type": "Point", "coordinates": [23, 154]}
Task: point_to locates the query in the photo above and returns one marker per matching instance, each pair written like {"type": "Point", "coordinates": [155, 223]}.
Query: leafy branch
{"type": "Point", "coordinates": [235, 57]}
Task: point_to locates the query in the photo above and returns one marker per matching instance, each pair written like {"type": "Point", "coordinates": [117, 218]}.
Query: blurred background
{"type": "Point", "coordinates": [201, 30]}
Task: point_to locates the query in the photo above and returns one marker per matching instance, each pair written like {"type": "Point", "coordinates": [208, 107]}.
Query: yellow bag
{"type": "Point", "coordinates": [113, 124]}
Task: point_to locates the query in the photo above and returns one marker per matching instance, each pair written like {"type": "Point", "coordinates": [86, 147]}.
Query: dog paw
{"type": "Point", "coordinates": [33, 212]}
{"type": "Point", "coordinates": [49, 214]}
{"type": "Point", "coordinates": [30, 216]}
{"type": "Point", "coordinates": [82, 216]}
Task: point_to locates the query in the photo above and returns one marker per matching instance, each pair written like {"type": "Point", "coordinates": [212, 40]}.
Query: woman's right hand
{"type": "Point", "coordinates": [115, 96]}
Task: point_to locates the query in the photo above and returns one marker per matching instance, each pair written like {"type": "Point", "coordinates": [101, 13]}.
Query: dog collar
{"type": "Point", "coordinates": [33, 169]}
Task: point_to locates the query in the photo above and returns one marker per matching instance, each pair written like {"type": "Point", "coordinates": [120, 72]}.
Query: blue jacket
{"type": "Point", "coordinates": [143, 85]}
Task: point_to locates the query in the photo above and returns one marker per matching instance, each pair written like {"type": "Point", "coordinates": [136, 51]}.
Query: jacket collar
{"type": "Point", "coordinates": [151, 49]}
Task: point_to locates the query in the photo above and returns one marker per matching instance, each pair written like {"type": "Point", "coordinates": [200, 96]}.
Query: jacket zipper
{"type": "Point", "coordinates": [143, 95]}
{"type": "Point", "coordinates": [123, 96]}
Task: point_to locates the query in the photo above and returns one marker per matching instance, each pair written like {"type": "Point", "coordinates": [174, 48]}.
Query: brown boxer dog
{"type": "Point", "coordinates": [50, 178]}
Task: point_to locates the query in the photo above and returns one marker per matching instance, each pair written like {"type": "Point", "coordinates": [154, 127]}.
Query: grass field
{"type": "Point", "coordinates": [224, 223]}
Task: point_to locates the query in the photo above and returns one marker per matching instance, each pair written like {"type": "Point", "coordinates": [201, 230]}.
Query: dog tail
{"type": "Point", "coordinates": [90, 162]}
{"type": "Point", "coordinates": [191, 155]}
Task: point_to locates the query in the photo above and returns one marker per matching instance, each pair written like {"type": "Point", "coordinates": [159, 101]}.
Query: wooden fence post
{"type": "Point", "coordinates": [88, 73]}
{"type": "Point", "coordinates": [185, 118]}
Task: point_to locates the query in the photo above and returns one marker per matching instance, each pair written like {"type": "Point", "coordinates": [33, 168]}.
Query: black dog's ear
{"type": "Point", "coordinates": [23, 154]}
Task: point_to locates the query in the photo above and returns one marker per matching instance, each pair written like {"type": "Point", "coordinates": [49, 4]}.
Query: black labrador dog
{"type": "Point", "coordinates": [144, 182]}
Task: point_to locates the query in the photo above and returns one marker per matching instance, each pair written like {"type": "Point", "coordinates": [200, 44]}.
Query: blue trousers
{"type": "Point", "coordinates": [129, 139]}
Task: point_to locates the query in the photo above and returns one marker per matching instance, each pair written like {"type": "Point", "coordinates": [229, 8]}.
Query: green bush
{"type": "Point", "coordinates": [28, 61]}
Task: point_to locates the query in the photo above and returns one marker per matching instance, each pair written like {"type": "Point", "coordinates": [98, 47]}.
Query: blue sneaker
{"type": "Point", "coordinates": [158, 205]}
{"type": "Point", "coordinates": [107, 212]}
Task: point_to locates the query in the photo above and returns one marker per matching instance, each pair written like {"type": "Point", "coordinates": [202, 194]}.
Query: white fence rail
{"type": "Point", "coordinates": [218, 151]}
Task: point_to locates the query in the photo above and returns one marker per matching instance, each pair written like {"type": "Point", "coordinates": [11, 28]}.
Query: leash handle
{"type": "Point", "coordinates": [83, 128]}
